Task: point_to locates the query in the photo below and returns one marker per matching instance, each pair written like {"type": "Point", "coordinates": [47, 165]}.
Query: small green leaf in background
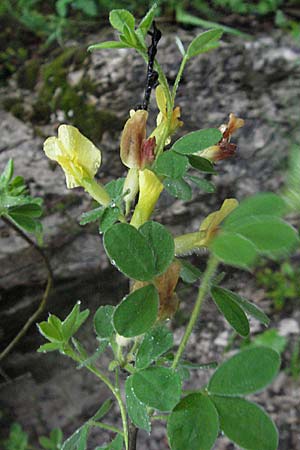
{"type": "Point", "coordinates": [157, 387]}
{"type": "Point", "coordinates": [232, 312]}
{"type": "Point", "coordinates": [234, 249]}
{"type": "Point", "coordinates": [116, 444]}
{"type": "Point", "coordinates": [205, 185]}
{"type": "Point", "coordinates": [246, 423]}
{"type": "Point", "coordinates": [137, 411]}
{"type": "Point", "coordinates": [161, 243]}
{"type": "Point", "coordinates": [137, 312]}
{"type": "Point", "coordinates": [247, 306]}
{"type": "Point", "coordinates": [108, 44]}
{"type": "Point", "coordinates": [78, 440]}
{"type": "Point", "coordinates": [270, 338]}
{"type": "Point", "coordinates": [108, 218]}
{"type": "Point", "coordinates": [156, 342]}
{"type": "Point", "coordinates": [178, 188]}
{"type": "Point", "coordinates": [270, 235]}
{"type": "Point", "coordinates": [264, 204]}
{"type": "Point", "coordinates": [246, 372]}
{"type": "Point", "coordinates": [197, 140]}
{"type": "Point", "coordinates": [171, 164]}
{"type": "Point", "coordinates": [204, 42]}
{"type": "Point", "coordinates": [202, 164]}
{"type": "Point", "coordinates": [103, 410]}
{"type": "Point", "coordinates": [147, 20]}
{"type": "Point", "coordinates": [129, 251]}
{"type": "Point", "coordinates": [103, 321]}
{"type": "Point", "coordinates": [54, 441]}
{"type": "Point", "coordinates": [91, 216]}
{"type": "Point", "coordinates": [193, 424]}
{"type": "Point", "coordinates": [18, 438]}
{"type": "Point", "coordinates": [119, 18]}
{"type": "Point", "coordinates": [189, 273]}
{"type": "Point", "coordinates": [7, 173]}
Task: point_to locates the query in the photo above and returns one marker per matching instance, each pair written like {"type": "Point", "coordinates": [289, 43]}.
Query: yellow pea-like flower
{"type": "Point", "coordinates": [79, 158]}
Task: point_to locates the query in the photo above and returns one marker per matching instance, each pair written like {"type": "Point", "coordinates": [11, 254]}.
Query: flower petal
{"type": "Point", "coordinates": [133, 136]}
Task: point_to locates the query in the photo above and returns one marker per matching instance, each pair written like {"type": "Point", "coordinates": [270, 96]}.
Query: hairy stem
{"type": "Point", "coordinates": [46, 293]}
{"type": "Point", "coordinates": [115, 390]}
{"type": "Point", "coordinates": [208, 274]}
{"type": "Point", "coordinates": [105, 426]}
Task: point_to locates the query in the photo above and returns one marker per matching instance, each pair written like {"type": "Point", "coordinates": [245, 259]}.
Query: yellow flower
{"type": "Point", "coordinates": [162, 118]}
{"type": "Point", "coordinates": [209, 228]}
{"type": "Point", "coordinates": [210, 225]}
{"type": "Point", "coordinates": [150, 189]}
{"type": "Point", "coordinates": [79, 158]}
{"type": "Point", "coordinates": [224, 149]}
{"type": "Point", "coordinates": [77, 155]}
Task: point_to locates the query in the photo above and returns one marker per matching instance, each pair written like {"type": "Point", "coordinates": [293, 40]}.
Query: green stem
{"type": "Point", "coordinates": [160, 417]}
{"type": "Point", "coordinates": [105, 426]}
{"type": "Point", "coordinates": [209, 272]}
{"type": "Point", "coordinates": [187, 243]}
{"type": "Point", "coordinates": [178, 77]}
{"type": "Point", "coordinates": [116, 392]}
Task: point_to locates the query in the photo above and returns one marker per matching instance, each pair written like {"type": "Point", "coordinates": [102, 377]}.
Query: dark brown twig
{"type": "Point", "coordinates": [152, 75]}
{"type": "Point", "coordinates": [42, 304]}
{"type": "Point", "coordinates": [132, 436]}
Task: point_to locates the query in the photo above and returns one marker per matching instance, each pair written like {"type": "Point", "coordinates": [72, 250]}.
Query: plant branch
{"type": "Point", "coordinates": [105, 426]}
{"type": "Point", "coordinates": [132, 436]}
{"type": "Point", "coordinates": [208, 274]}
{"type": "Point", "coordinates": [46, 293]}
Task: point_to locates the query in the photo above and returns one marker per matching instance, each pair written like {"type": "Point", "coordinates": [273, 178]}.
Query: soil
{"type": "Point", "coordinates": [258, 80]}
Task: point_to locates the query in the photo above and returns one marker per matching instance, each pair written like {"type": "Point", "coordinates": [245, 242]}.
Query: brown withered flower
{"type": "Point", "coordinates": [224, 149]}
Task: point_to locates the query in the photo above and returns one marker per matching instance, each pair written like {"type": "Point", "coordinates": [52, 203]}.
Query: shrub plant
{"type": "Point", "coordinates": [146, 375]}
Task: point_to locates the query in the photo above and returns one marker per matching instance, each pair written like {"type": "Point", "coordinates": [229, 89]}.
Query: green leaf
{"type": "Point", "coordinates": [26, 223]}
{"type": "Point", "coordinates": [188, 272]}
{"type": "Point", "coordinates": [137, 312]}
{"type": "Point", "coordinates": [234, 249]}
{"type": "Point", "coordinates": [7, 173]}
{"type": "Point", "coordinates": [232, 312]}
{"type": "Point", "coordinates": [157, 387]}
{"type": "Point", "coordinates": [272, 339]}
{"type": "Point", "coordinates": [30, 210]}
{"type": "Point", "coordinates": [103, 321]}
{"type": "Point", "coordinates": [171, 164]}
{"type": "Point", "coordinates": [197, 140]}
{"type": "Point", "coordinates": [249, 307]}
{"type": "Point", "coordinates": [91, 216]}
{"type": "Point", "coordinates": [265, 204]}
{"type": "Point", "coordinates": [69, 323]}
{"type": "Point", "coordinates": [156, 342]}
{"type": "Point", "coordinates": [108, 44]}
{"type": "Point", "coordinates": [103, 410]}
{"type": "Point", "coordinates": [115, 189]}
{"type": "Point", "coordinates": [129, 36]}
{"type": "Point", "coordinates": [246, 372]}
{"type": "Point", "coordinates": [193, 424]}
{"type": "Point", "coordinates": [178, 188]}
{"type": "Point", "coordinates": [49, 347]}
{"type": "Point", "coordinates": [246, 423]}
{"type": "Point", "coordinates": [270, 235]}
{"type": "Point", "coordinates": [161, 243]}
{"type": "Point", "coordinates": [137, 411]}
{"type": "Point", "coordinates": [147, 20]}
{"type": "Point", "coordinates": [130, 252]}
{"type": "Point", "coordinates": [119, 18]}
{"type": "Point", "coordinates": [203, 42]}
{"type": "Point", "coordinates": [202, 164]}
{"type": "Point", "coordinates": [205, 185]}
{"type": "Point", "coordinates": [109, 217]}
{"type": "Point", "coordinates": [78, 440]}
{"type": "Point", "coordinates": [116, 444]}
{"type": "Point", "coordinates": [50, 332]}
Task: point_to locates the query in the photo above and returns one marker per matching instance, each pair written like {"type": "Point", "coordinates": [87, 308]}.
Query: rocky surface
{"type": "Point", "coordinates": [257, 80]}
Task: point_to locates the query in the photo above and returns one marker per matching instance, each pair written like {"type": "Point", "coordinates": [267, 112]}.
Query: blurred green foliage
{"type": "Point", "coordinates": [54, 19]}
{"type": "Point", "coordinates": [281, 285]}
